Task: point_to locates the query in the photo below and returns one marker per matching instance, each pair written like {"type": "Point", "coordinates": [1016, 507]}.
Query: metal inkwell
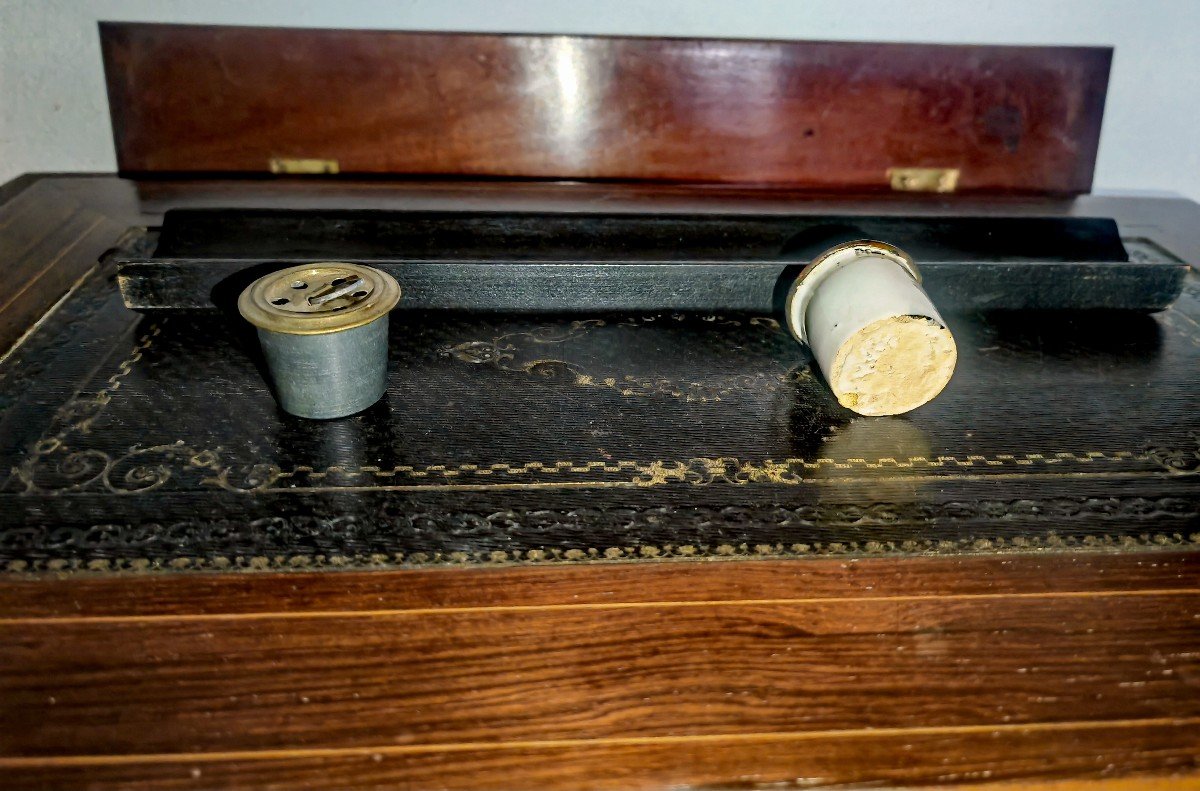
{"type": "Point", "coordinates": [323, 329]}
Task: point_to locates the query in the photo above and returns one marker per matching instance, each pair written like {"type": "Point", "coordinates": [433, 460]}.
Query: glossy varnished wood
{"type": "Point", "coordinates": [909, 756]}
{"type": "Point", "coordinates": [197, 594]}
{"type": "Point", "coordinates": [49, 240]}
{"type": "Point", "coordinates": [885, 670]}
{"type": "Point", "coordinates": [831, 115]}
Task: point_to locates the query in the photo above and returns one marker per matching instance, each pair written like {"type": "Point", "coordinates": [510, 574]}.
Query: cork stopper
{"type": "Point", "coordinates": [893, 365]}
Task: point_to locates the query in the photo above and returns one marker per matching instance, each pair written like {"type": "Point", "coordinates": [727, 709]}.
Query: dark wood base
{"type": "Point", "coordinates": [726, 674]}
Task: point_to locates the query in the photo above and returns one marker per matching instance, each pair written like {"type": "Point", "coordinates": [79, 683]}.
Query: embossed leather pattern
{"type": "Point", "coordinates": [134, 442]}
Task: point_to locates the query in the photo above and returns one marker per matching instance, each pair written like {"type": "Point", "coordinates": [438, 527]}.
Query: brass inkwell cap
{"type": "Point", "coordinates": [314, 299]}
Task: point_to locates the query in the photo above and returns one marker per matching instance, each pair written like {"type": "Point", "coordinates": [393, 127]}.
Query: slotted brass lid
{"type": "Point", "coordinates": [313, 299]}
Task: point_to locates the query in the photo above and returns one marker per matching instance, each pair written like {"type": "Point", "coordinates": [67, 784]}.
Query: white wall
{"type": "Point", "coordinates": [54, 116]}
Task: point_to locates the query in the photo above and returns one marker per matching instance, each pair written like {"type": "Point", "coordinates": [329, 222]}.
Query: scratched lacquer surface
{"type": "Point", "coordinates": [134, 441]}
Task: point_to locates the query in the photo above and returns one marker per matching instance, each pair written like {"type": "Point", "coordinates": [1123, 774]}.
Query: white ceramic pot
{"type": "Point", "coordinates": [876, 337]}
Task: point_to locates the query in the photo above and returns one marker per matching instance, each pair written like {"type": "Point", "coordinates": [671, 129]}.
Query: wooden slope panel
{"type": "Point", "coordinates": [822, 115]}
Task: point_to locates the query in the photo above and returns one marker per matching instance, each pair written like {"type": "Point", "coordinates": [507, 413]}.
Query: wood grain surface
{"type": "Point", "coordinates": [995, 576]}
{"type": "Point", "coordinates": [732, 673]}
{"type": "Point", "coordinates": [50, 239]}
{"type": "Point", "coordinates": [830, 115]}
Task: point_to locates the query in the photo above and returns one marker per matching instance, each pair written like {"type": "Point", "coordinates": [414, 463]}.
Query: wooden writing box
{"type": "Point", "coordinates": [607, 548]}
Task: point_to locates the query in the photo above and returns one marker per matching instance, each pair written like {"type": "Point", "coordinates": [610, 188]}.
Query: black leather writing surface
{"type": "Point", "coordinates": [136, 441]}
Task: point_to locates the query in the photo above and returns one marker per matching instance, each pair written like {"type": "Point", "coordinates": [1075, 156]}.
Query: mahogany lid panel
{"type": "Point", "coordinates": [809, 115]}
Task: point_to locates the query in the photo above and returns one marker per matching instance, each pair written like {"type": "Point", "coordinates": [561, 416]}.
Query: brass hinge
{"type": "Point", "coordinates": [294, 166]}
{"type": "Point", "coordinates": [923, 179]}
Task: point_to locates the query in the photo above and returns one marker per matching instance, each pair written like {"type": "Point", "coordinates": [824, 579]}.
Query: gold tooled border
{"type": "Point", "coordinates": [151, 467]}
{"type": "Point", "coordinates": [659, 471]}
{"type": "Point", "coordinates": [1050, 542]}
